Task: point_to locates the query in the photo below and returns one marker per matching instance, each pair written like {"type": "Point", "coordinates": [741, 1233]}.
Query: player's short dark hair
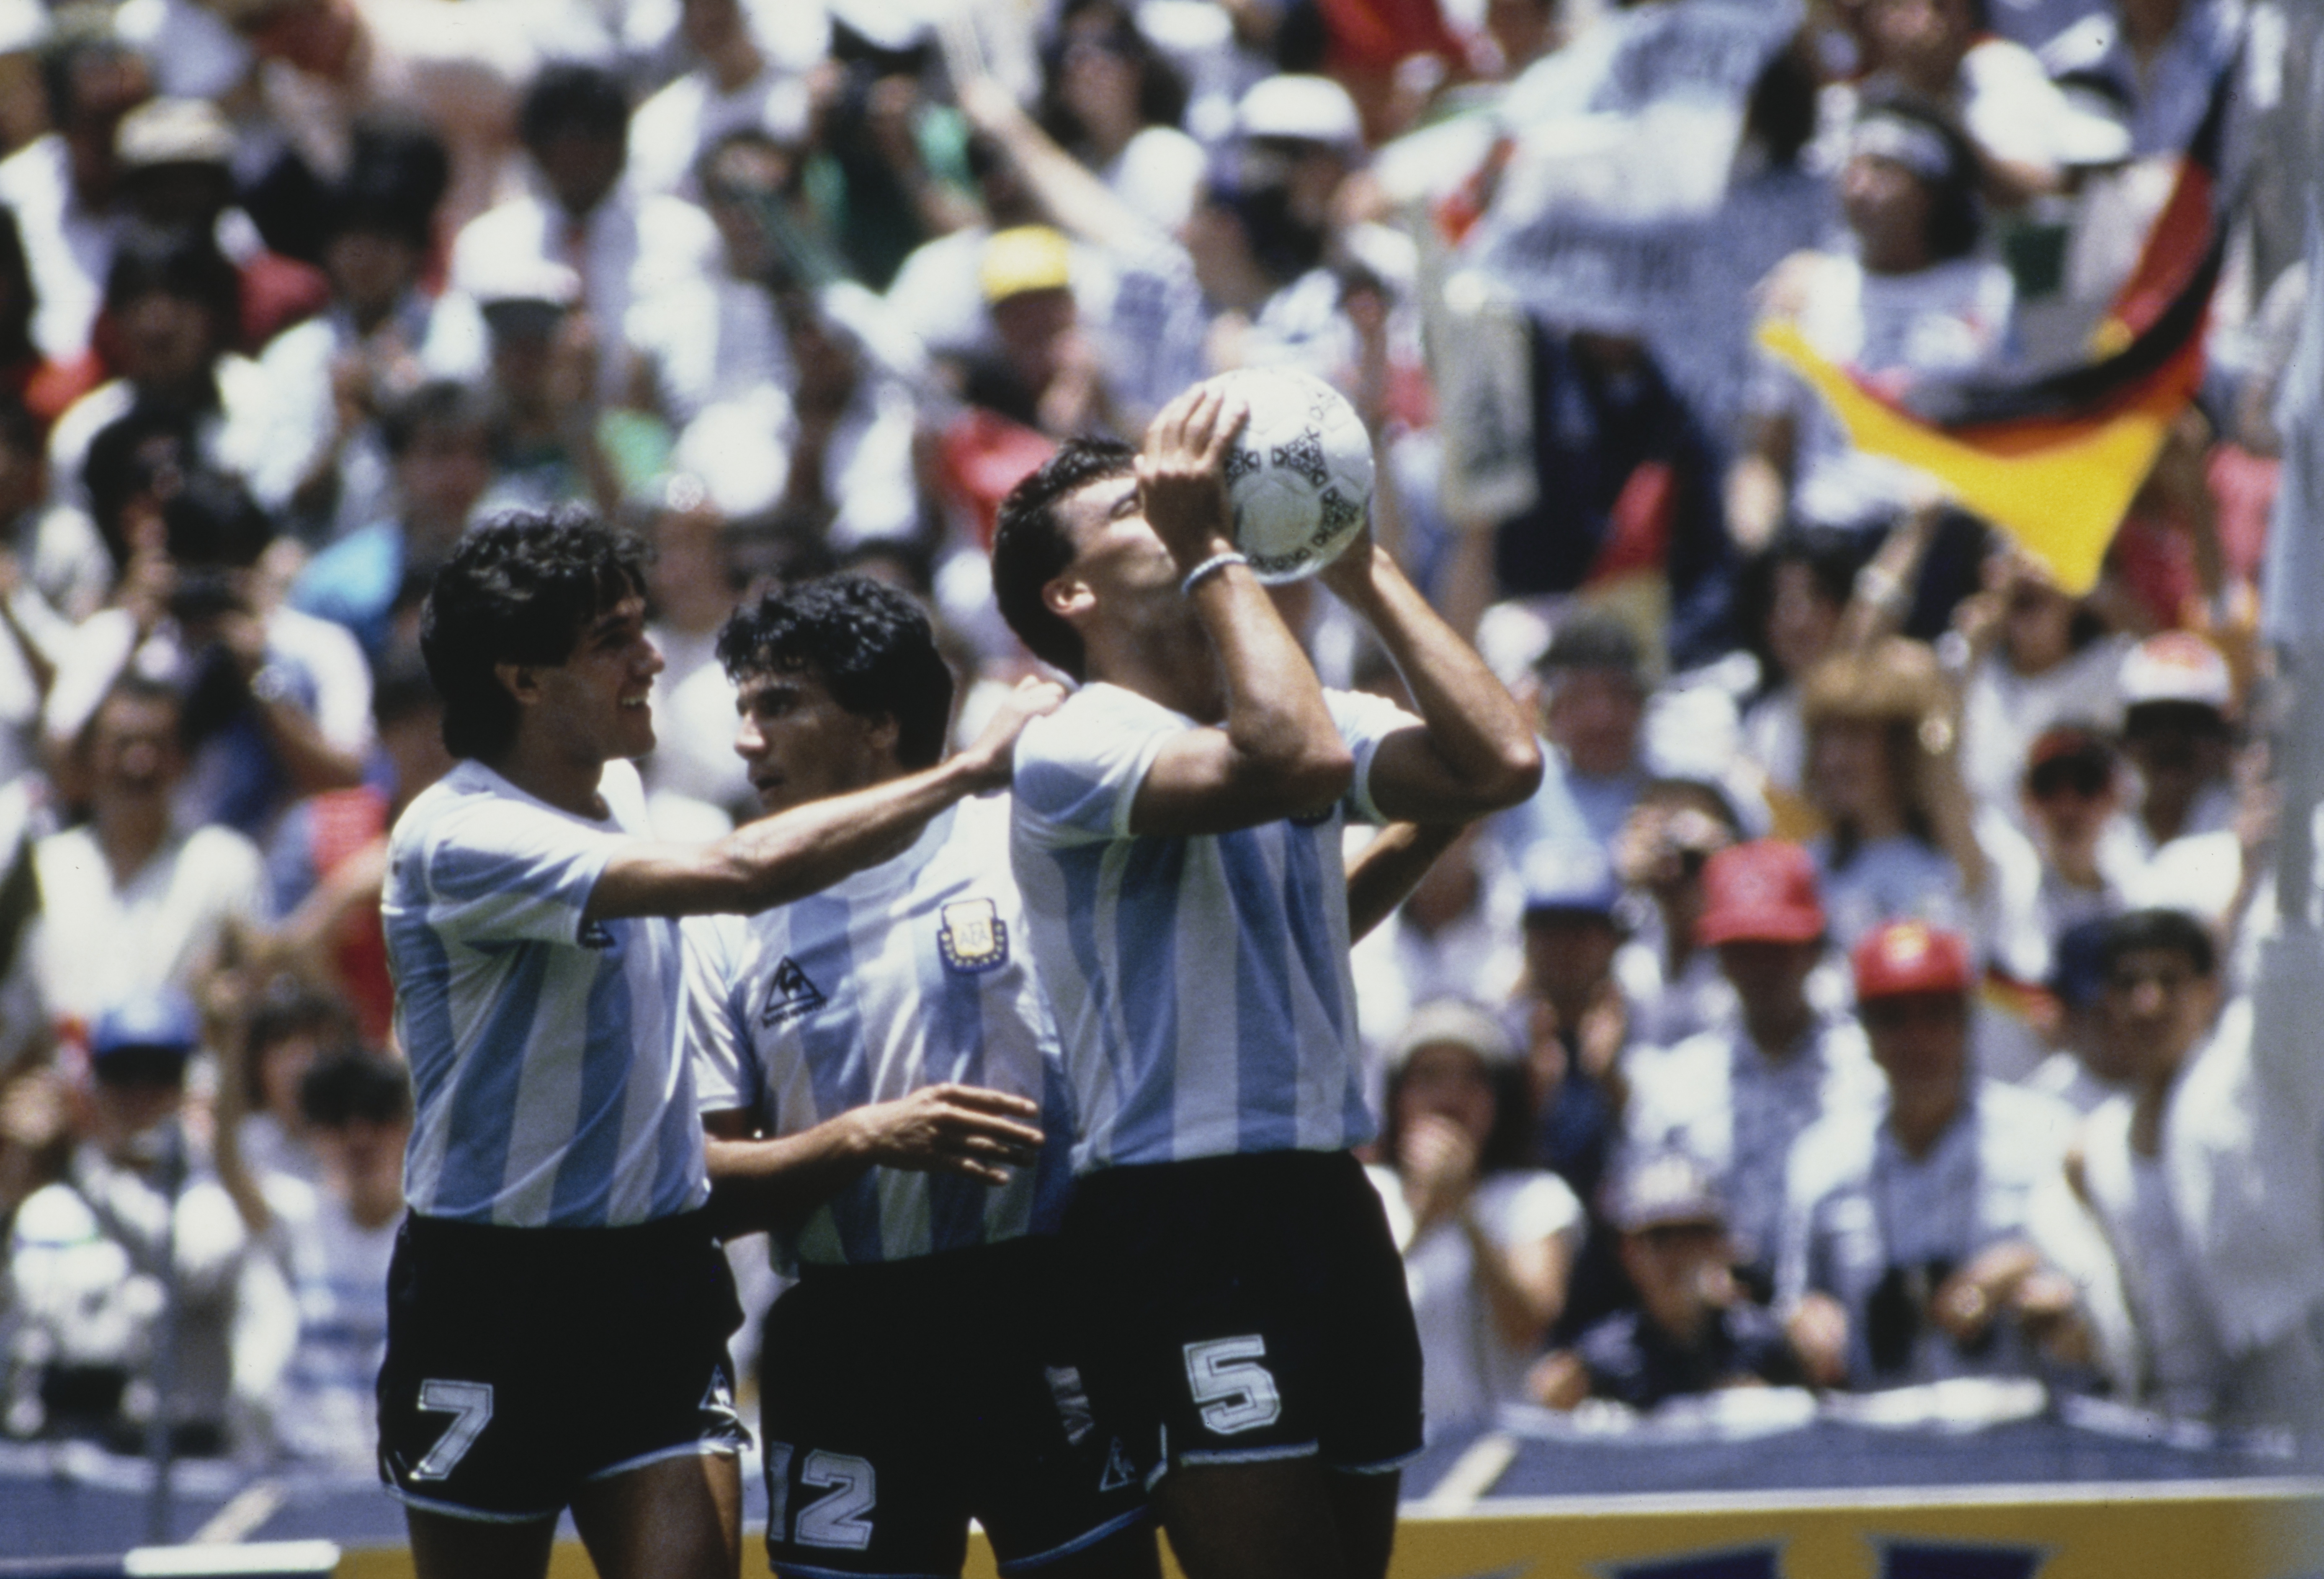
{"type": "Point", "coordinates": [871, 645]}
{"type": "Point", "coordinates": [518, 589]}
{"type": "Point", "coordinates": [401, 688]}
{"type": "Point", "coordinates": [1030, 547]}
{"type": "Point", "coordinates": [587, 100]}
{"type": "Point", "coordinates": [353, 1085]}
{"type": "Point", "coordinates": [2136, 931]}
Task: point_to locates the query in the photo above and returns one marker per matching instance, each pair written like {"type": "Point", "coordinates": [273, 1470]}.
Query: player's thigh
{"type": "Point", "coordinates": [1051, 1477]}
{"type": "Point", "coordinates": [857, 1407]}
{"type": "Point", "coordinates": [676, 1517]}
{"type": "Point", "coordinates": [1363, 1509]}
{"type": "Point", "coordinates": [447, 1547]}
{"type": "Point", "coordinates": [1266, 1519]}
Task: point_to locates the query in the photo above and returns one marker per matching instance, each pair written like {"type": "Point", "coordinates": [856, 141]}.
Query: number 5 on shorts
{"type": "Point", "coordinates": [470, 1405]}
{"type": "Point", "coordinates": [1237, 1393]}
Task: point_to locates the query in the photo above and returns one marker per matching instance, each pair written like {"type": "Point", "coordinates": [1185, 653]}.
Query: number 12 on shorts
{"type": "Point", "coordinates": [1237, 1393]}
{"type": "Point", "coordinates": [834, 1519]}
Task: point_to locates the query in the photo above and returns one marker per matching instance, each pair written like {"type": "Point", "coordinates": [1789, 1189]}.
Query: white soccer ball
{"type": "Point", "coordinates": [1299, 477]}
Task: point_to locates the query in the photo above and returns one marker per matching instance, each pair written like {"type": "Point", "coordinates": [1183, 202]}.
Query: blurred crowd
{"type": "Point", "coordinates": [1862, 1001]}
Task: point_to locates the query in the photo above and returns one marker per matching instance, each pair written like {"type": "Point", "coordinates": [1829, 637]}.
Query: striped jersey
{"type": "Point", "coordinates": [1201, 983]}
{"type": "Point", "coordinates": [549, 1080]}
{"type": "Point", "coordinates": [912, 973]}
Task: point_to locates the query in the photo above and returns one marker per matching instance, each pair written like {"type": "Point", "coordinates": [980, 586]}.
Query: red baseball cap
{"type": "Point", "coordinates": [1911, 956]}
{"type": "Point", "coordinates": [1764, 892]}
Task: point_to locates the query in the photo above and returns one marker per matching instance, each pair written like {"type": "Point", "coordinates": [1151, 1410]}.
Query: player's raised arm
{"type": "Point", "coordinates": [1474, 751]}
{"type": "Point", "coordinates": [1276, 752]}
{"type": "Point", "coordinates": [807, 849]}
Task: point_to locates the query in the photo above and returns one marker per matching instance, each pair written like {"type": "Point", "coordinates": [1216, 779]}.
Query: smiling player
{"type": "Point", "coordinates": [557, 1307]}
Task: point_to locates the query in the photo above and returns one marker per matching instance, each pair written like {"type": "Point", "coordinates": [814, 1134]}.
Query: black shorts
{"type": "Point", "coordinates": [1247, 1309]}
{"type": "Point", "coordinates": [523, 1362]}
{"type": "Point", "coordinates": [899, 1400]}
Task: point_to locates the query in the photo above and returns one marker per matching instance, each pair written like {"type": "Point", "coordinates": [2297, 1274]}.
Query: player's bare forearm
{"type": "Point", "coordinates": [758, 1184]}
{"type": "Point", "coordinates": [807, 849]}
{"type": "Point", "coordinates": [1385, 871]}
{"type": "Point", "coordinates": [1478, 753]}
{"type": "Point", "coordinates": [1275, 713]}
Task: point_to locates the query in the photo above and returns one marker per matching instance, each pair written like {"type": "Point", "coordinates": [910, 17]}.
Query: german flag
{"type": "Point", "coordinates": [2054, 458]}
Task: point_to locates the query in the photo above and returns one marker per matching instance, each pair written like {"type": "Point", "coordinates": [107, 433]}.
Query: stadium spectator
{"type": "Point", "coordinates": [136, 1241]}
{"type": "Point", "coordinates": [1671, 981]}
{"type": "Point", "coordinates": [1882, 769]}
{"type": "Point", "coordinates": [60, 186]}
{"type": "Point", "coordinates": [173, 303]}
{"type": "Point", "coordinates": [1593, 685]}
{"type": "Point", "coordinates": [1695, 1329]}
{"type": "Point", "coordinates": [1736, 1098]}
{"type": "Point", "coordinates": [335, 1237]}
{"type": "Point", "coordinates": [1907, 1255]}
{"type": "Point", "coordinates": [278, 703]}
{"type": "Point", "coordinates": [133, 899]}
{"type": "Point", "coordinates": [290, 1027]}
{"type": "Point", "coordinates": [1456, 937]}
{"type": "Point", "coordinates": [1488, 1243]}
{"type": "Point", "coordinates": [327, 470]}
{"type": "Point", "coordinates": [2177, 693]}
{"type": "Point", "coordinates": [438, 440]}
{"type": "Point", "coordinates": [2091, 1061]}
{"type": "Point", "coordinates": [623, 247]}
{"type": "Point", "coordinates": [1806, 580]}
{"type": "Point", "coordinates": [1114, 102]}
{"type": "Point", "coordinates": [1911, 296]}
{"type": "Point", "coordinates": [732, 84]}
{"type": "Point", "coordinates": [2193, 1175]}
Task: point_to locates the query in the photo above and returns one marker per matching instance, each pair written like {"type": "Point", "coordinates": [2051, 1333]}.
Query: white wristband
{"type": "Point", "coordinates": [1209, 567]}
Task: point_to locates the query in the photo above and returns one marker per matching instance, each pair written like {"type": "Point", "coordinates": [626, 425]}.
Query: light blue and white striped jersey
{"type": "Point", "coordinates": [1200, 984]}
{"type": "Point", "coordinates": [913, 973]}
{"type": "Point", "coordinates": [548, 1070]}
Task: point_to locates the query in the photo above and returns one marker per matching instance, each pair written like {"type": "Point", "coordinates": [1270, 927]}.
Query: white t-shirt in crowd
{"type": "Point", "coordinates": [1468, 1368]}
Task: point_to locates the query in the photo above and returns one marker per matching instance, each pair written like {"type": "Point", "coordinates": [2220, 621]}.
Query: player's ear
{"type": "Point", "coordinates": [1068, 597]}
{"type": "Point", "coordinates": [881, 731]}
{"type": "Point", "coordinates": [520, 681]}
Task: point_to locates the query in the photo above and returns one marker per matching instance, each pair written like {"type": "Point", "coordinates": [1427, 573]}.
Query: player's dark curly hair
{"type": "Point", "coordinates": [1030, 548]}
{"type": "Point", "coordinates": [518, 589]}
{"type": "Point", "coordinates": [871, 645]}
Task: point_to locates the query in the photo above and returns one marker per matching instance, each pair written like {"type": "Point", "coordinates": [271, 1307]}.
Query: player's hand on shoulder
{"type": "Point", "coordinates": [967, 1130]}
{"type": "Point", "coordinates": [988, 757]}
{"type": "Point", "coordinates": [1182, 473]}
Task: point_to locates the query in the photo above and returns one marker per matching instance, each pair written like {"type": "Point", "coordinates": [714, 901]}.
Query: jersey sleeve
{"type": "Point", "coordinates": [499, 870]}
{"type": "Point", "coordinates": [1364, 720]}
{"type": "Point", "coordinates": [1079, 769]}
{"type": "Point", "coordinates": [718, 1030]}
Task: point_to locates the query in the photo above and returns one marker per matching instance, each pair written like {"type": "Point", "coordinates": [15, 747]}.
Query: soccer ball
{"type": "Point", "coordinates": [1299, 477]}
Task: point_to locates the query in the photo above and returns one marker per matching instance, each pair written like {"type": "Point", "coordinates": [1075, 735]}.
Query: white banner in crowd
{"type": "Point", "coordinates": [1609, 216]}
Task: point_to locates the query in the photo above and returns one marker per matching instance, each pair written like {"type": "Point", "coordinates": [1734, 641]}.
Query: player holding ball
{"type": "Point", "coordinates": [1177, 839]}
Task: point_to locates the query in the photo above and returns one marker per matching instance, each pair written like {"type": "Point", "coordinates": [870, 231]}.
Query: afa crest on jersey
{"type": "Point", "coordinates": [972, 936]}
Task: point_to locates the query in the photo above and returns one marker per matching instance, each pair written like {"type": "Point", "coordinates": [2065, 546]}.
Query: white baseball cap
{"type": "Point", "coordinates": [2177, 666]}
{"type": "Point", "coordinates": [1307, 110]}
